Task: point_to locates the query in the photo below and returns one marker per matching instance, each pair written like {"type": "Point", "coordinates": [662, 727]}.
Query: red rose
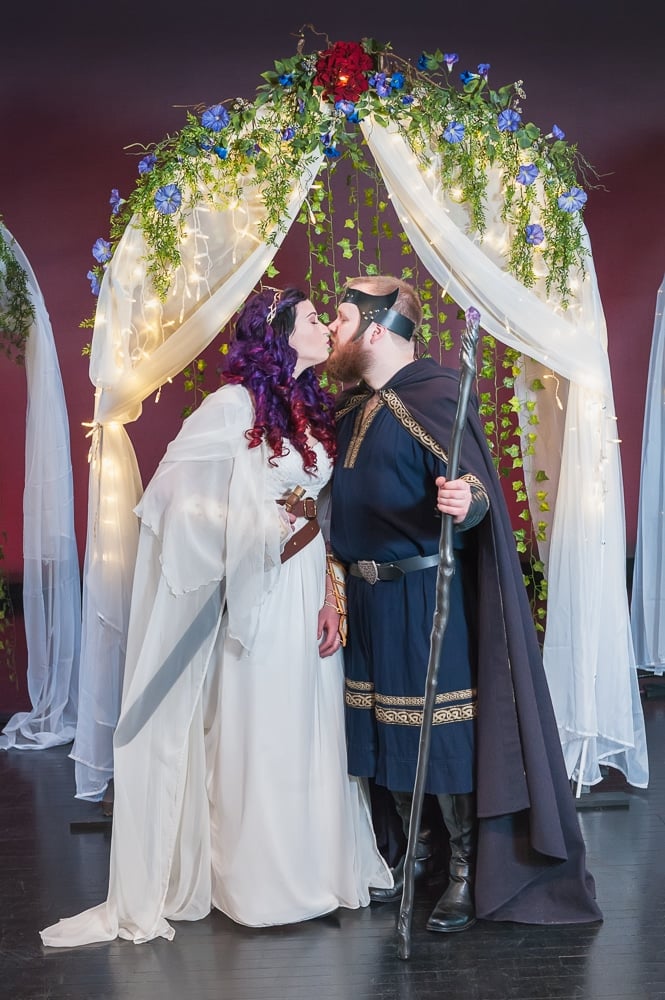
{"type": "Point", "coordinates": [340, 71]}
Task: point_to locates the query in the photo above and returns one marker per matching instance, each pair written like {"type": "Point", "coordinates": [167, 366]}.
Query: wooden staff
{"type": "Point", "coordinates": [444, 577]}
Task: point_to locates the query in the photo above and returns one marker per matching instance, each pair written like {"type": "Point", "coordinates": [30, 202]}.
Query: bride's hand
{"type": "Point", "coordinates": [328, 631]}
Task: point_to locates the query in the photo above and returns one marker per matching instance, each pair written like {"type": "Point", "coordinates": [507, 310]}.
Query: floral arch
{"type": "Point", "coordinates": [492, 208]}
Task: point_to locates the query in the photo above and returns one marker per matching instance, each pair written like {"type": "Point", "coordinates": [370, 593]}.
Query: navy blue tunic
{"type": "Point", "coordinates": [531, 858]}
{"type": "Point", "coordinates": [384, 508]}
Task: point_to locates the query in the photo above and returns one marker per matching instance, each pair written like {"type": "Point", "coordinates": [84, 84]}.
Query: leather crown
{"type": "Point", "coordinates": [378, 309]}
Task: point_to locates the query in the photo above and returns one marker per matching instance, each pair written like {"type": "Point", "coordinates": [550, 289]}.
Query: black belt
{"type": "Point", "coordinates": [372, 571]}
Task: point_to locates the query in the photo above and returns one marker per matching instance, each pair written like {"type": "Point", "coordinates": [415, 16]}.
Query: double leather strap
{"type": "Point", "coordinates": [372, 572]}
{"type": "Point", "coordinates": [304, 507]}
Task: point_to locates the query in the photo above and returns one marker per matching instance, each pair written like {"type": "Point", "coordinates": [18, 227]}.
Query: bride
{"type": "Point", "coordinates": [231, 788]}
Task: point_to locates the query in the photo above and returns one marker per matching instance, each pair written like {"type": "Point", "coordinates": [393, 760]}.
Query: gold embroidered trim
{"type": "Point", "coordinates": [351, 402]}
{"type": "Point", "coordinates": [362, 424]}
{"type": "Point", "coordinates": [408, 711]}
{"type": "Point", "coordinates": [440, 717]}
{"type": "Point", "coordinates": [441, 699]}
{"type": "Point", "coordinates": [359, 685]}
{"type": "Point", "coordinates": [359, 700]}
{"type": "Point", "coordinates": [416, 430]}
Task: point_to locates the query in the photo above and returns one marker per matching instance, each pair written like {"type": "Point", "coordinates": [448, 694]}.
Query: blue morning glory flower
{"type": "Point", "coordinates": [423, 62]}
{"type": "Point", "coordinates": [397, 81]}
{"type": "Point", "coordinates": [534, 234]}
{"type": "Point", "coordinates": [353, 117]}
{"type": "Point", "coordinates": [168, 199]}
{"type": "Point", "coordinates": [221, 151]}
{"type": "Point", "coordinates": [467, 77]}
{"type": "Point", "coordinates": [301, 106]}
{"type": "Point", "coordinates": [101, 251]}
{"type": "Point", "coordinates": [527, 174]}
{"type": "Point", "coordinates": [572, 201]}
{"type": "Point", "coordinates": [331, 152]}
{"type": "Point", "coordinates": [508, 121]}
{"type": "Point", "coordinates": [346, 107]}
{"type": "Point", "coordinates": [115, 201]}
{"type": "Point", "coordinates": [450, 58]}
{"type": "Point", "coordinates": [407, 99]}
{"type": "Point", "coordinates": [557, 132]}
{"type": "Point", "coordinates": [378, 81]}
{"type": "Point", "coordinates": [288, 133]}
{"type": "Point", "coordinates": [326, 139]}
{"type": "Point", "coordinates": [285, 80]}
{"type": "Point", "coordinates": [147, 163]}
{"type": "Point", "coordinates": [94, 282]}
{"type": "Point", "coordinates": [215, 118]}
{"type": "Point", "coordinates": [483, 69]}
{"type": "Point", "coordinates": [454, 133]}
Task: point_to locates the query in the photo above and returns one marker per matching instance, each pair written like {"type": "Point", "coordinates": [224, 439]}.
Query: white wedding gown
{"type": "Point", "coordinates": [231, 787]}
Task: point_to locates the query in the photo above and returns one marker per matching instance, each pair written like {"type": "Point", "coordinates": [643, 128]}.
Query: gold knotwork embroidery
{"type": "Point", "coordinates": [416, 430]}
{"type": "Point", "coordinates": [440, 717]}
{"type": "Point", "coordinates": [351, 403]}
{"type": "Point", "coordinates": [405, 710]}
{"type": "Point", "coordinates": [362, 423]}
{"type": "Point", "coordinates": [359, 685]}
{"type": "Point", "coordinates": [441, 699]}
{"type": "Point", "coordinates": [358, 700]}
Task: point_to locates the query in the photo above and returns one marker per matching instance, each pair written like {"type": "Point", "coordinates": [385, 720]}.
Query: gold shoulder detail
{"type": "Point", "coordinates": [416, 430]}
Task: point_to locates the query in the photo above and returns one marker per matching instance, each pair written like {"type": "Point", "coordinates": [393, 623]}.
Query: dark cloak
{"type": "Point", "coordinates": [531, 860]}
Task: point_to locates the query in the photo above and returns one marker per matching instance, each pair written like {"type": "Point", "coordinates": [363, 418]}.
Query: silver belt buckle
{"type": "Point", "coordinates": [368, 570]}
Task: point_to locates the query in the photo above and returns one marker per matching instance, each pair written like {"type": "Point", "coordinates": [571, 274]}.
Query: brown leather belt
{"type": "Point", "coordinates": [371, 571]}
{"type": "Point", "coordinates": [301, 508]}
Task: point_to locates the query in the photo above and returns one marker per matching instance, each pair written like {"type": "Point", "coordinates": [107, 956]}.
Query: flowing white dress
{"type": "Point", "coordinates": [231, 787]}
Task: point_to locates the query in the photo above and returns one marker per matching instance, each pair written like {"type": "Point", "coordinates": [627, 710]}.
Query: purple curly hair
{"type": "Point", "coordinates": [261, 358]}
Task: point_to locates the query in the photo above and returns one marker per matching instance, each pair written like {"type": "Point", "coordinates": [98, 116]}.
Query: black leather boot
{"type": "Point", "coordinates": [455, 911]}
{"type": "Point", "coordinates": [423, 866]}
{"type": "Point", "coordinates": [427, 855]}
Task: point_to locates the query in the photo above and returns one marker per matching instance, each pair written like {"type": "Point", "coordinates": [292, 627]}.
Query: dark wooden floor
{"type": "Point", "coordinates": [47, 870]}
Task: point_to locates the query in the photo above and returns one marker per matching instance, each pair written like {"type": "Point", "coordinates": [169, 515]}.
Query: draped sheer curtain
{"type": "Point", "coordinates": [648, 590]}
{"type": "Point", "coordinates": [139, 342]}
{"type": "Point", "coordinates": [51, 575]}
{"type": "Point", "coordinates": [588, 649]}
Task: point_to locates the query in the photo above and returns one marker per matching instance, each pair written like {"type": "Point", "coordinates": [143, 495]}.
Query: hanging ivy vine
{"type": "Point", "coordinates": [17, 312]}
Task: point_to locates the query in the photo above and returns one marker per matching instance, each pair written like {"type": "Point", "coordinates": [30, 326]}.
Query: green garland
{"type": "Point", "coordinates": [17, 313]}
{"type": "Point", "coordinates": [314, 102]}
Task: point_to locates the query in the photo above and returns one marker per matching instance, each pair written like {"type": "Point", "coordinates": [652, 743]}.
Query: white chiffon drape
{"type": "Point", "coordinates": [51, 574]}
{"type": "Point", "coordinates": [588, 650]}
{"type": "Point", "coordinates": [139, 342]}
{"type": "Point", "coordinates": [648, 589]}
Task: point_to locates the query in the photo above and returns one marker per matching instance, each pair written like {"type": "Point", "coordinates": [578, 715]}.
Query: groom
{"type": "Point", "coordinates": [496, 767]}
